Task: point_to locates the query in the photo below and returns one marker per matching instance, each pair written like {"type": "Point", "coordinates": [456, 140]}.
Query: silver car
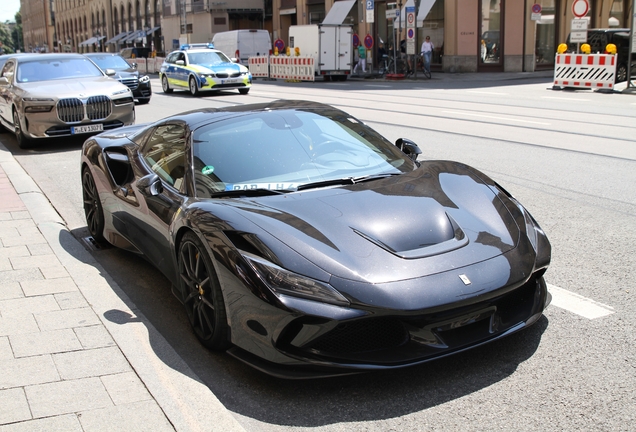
{"type": "Point", "coordinates": [53, 95]}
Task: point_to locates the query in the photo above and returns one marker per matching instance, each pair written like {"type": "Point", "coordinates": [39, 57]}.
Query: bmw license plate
{"type": "Point", "coordinates": [88, 128]}
{"type": "Point", "coordinates": [231, 81]}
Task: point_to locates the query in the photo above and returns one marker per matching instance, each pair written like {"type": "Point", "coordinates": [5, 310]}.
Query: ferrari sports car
{"type": "Point", "coordinates": [307, 245]}
{"type": "Point", "coordinates": [199, 68]}
{"type": "Point", "coordinates": [54, 95]}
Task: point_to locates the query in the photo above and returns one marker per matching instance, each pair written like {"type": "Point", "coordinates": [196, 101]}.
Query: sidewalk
{"type": "Point", "coordinates": [63, 365]}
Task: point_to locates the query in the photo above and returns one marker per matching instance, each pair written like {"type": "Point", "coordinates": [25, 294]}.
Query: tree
{"type": "Point", "coordinates": [16, 34]}
{"type": "Point", "coordinates": [6, 42]}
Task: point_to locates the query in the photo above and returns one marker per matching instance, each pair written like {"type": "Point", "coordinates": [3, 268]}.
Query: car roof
{"type": "Point", "coordinates": [47, 56]}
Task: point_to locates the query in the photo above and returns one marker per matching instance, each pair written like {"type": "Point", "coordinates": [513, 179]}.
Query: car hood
{"type": "Point", "coordinates": [439, 217]}
{"type": "Point", "coordinates": [84, 87]}
{"type": "Point", "coordinates": [228, 68]}
{"type": "Point", "coordinates": [125, 73]}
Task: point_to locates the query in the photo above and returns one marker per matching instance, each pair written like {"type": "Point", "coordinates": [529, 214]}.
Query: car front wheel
{"type": "Point", "coordinates": [194, 87]}
{"type": "Point", "coordinates": [164, 85]}
{"type": "Point", "coordinates": [244, 91]}
{"type": "Point", "coordinates": [621, 73]}
{"type": "Point", "coordinates": [23, 141]}
{"type": "Point", "coordinates": [201, 294]}
{"type": "Point", "coordinates": [92, 206]}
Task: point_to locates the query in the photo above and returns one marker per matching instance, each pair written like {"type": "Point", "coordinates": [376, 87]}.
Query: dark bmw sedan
{"type": "Point", "coordinates": [306, 244]}
{"type": "Point", "coordinates": [124, 73]}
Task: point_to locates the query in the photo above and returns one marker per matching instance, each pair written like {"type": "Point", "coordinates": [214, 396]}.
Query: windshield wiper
{"type": "Point", "coordinates": [249, 192]}
{"type": "Point", "coordinates": [344, 181]}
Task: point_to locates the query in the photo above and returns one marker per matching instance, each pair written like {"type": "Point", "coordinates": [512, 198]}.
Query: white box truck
{"type": "Point", "coordinates": [243, 44]}
{"type": "Point", "coordinates": [330, 45]}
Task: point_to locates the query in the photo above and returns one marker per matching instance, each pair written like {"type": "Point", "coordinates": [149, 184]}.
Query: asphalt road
{"type": "Point", "coordinates": [570, 157]}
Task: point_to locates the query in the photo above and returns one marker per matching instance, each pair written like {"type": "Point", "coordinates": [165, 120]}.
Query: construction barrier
{"type": "Point", "coordinates": [292, 68]}
{"type": "Point", "coordinates": [147, 65]}
{"type": "Point", "coordinates": [585, 71]}
{"type": "Point", "coordinates": [259, 66]}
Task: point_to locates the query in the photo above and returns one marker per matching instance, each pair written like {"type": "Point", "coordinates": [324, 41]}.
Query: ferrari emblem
{"type": "Point", "coordinates": [465, 279]}
{"type": "Point", "coordinates": [201, 291]}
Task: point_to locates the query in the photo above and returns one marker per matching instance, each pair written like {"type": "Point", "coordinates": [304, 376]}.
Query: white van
{"type": "Point", "coordinates": [243, 44]}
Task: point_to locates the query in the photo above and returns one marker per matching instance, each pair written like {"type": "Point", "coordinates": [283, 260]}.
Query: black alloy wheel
{"type": "Point", "coordinates": [201, 294]}
{"type": "Point", "coordinates": [92, 206]}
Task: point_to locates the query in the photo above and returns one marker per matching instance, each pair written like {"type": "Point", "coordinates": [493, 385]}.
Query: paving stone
{"type": "Point", "coordinates": [14, 251]}
{"type": "Point", "coordinates": [24, 214]}
{"type": "Point", "coordinates": [27, 371]}
{"type": "Point", "coordinates": [50, 342]}
{"type": "Point", "coordinates": [27, 231]}
{"type": "Point", "coordinates": [125, 388]}
{"type": "Point", "coordinates": [54, 272]}
{"type": "Point", "coordinates": [23, 275]}
{"type": "Point", "coordinates": [5, 264]}
{"type": "Point", "coordinates": [91, 363]}
{"type": "Point", "coordinates": [94, 337]}
{"type": "Point", "coordinates": [65, 423]}
{"type": "Point", "coordinates": [6, 231]}
{"type": "Point", "coordinates": [5, 349]}
{"type": "Point", "coordinates": [18, 325]}
{"type": "Point", "coordinates": [48, 286]}
{"type": "Point", "coordinates": [71, 300]}
{"type": "Point", "coordinates": [18, 223]}
{"type": "Point", "coordinates": [13, 406]}
{"type": "Point", "coordinates": [23, 240]}
{"type": "Point", "coordinates": [40, 249]}
{"type": "Point", "coordinates": [10, 290]}
{"type": "Point", "coordinates": [138, 417]}
{"type": "Point", "coordinates": [64, 397]}
{"type": "Point", "coordinates": [27, 306]}
{"type": "Point", "coordinates": [68, 318]}
{"type": "Point", "coordinates": [37, 261]}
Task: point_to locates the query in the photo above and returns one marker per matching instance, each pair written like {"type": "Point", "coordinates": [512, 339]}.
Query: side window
{"type": "Point", "coordinates": [172, 58]}
{"type": "Point", "coordinates": [165, 153]}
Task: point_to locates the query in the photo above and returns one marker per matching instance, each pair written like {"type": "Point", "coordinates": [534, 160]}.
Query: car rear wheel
{"type": "Point", "coordinates": [92, 206]}
{"type": "Point", "coordinates": [164, 85]}
{"type": "Point", "coordinates": [23, 141]}
{"type": "Point", "coordinates": [201, 294]}
{"type": "Point", "coordinates": [194, 88]}
{"type": "Point", "coordinates": [621, 73]}
{"type": "Point", "coordinates": [244, 91]}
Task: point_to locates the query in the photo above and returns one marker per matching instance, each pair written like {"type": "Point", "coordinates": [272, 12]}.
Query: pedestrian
{"type": "Point", "coordinates": [382, 57]}
{"type": "Point", "coordinates": [362, 59]}
{"type": "Point", "coordinates": [427, 52]}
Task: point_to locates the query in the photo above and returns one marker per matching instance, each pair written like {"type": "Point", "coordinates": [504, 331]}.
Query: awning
{"type": "Point", "coordinates": [138, 34]}
{"type": "Point", "coordinates": [339, 11]}
{"type": "Point", "coordinates": [118, 37]}
{"type": "Point", "coordinates": [425, 8]}
{"type": "Point", "coordinates": [89, 41]}
{"type": "Point", "coordinates": [152, 30]}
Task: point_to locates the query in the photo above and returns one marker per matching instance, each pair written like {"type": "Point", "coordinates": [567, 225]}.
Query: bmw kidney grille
{"type": "Point", "coordinates": [72, 110]}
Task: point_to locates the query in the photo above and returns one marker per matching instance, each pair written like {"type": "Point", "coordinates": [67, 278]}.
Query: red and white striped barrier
{"type": "Point", "coordinates": [259, 66]}
{"type": "Point", "coordinates": [292, 68]}
{"type": "Point", "coordinates": [585, 71]}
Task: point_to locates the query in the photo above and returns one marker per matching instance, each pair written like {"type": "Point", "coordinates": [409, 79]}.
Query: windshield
{"type": "Point", "coordinates": [208, 58]}
{"type": "Point", "coordinates": [46, 70]}
{"type": "Point", "coordinates": [285, 149]}
{"type": "Point", "coordinates": [110, 62]}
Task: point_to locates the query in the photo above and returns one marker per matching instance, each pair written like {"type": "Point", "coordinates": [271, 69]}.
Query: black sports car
{"type": "Point", "coordinates": [306, 244]}
{"type": "Point", "coordinates": [125, 73]}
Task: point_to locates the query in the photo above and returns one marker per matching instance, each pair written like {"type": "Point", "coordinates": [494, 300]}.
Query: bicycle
{"type": "Point", "coordinates": [402, 67]}
{"type": "Point", "coordinates": [420, 66]}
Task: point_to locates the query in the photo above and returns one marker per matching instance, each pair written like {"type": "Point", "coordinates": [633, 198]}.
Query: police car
{"type": "Point", "coordinates": [199, 67]}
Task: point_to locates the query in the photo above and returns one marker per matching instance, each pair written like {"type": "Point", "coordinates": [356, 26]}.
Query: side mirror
{"type": "Point", "coordinates": [4, 81]}
{"type": "Point", "coordinates": [134, 65]}
{"type": "Point", "coordinates": [150, 185]}
{"type": "Point", "coordinates": [180, 62]}
{"type": "Point", "coordinates": [110, 72]}
{"type": "Point", "coordinates": [409, 147]}
{"type": "Point", "coordinates": [235, 60]}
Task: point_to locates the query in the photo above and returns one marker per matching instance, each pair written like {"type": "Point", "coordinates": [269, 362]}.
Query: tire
{"type": "Point", "coordinates": [193, 86]}
{"type": "Point", "coordinates": [201, 294]}
{"type": "Point", "coordinates": [164, 85]}
{"type": "Point", "coordinates": [143, 101]}
{"type": "Point", "coordinates": [92, 206]}
{"type": "Point", "coordinates": [244, 91]}
{"type": "Point", "coordinates": [621, 73]}
{"type": "Point", "coordinates": [23, 141]}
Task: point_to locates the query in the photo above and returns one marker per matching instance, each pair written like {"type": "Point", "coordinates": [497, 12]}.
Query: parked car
{"type": "Point", "coordinates": [600, 38]}
{"type": "Point", "coordinates": [53, 95]}
{"type": "Point", "coordinates": [135, 52]}
{"type": "Point", "coordinates": [199, 69]}
{"type": "Point", "coordinates": [307, 244]}
{"type": "Point", "coordinates": [125, 73]}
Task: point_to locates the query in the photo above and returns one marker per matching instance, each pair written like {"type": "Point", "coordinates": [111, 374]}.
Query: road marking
{"type": "Point", "coordinates": [495, 117]}
{"type": "Point", "coordinates": [578, 304]}
{"type": "Point", "coordinates": [488, 93]}
{"type": "Point", "coordinates": [566, 99]}
{"type": "Point", "coordinates": [377, 85]}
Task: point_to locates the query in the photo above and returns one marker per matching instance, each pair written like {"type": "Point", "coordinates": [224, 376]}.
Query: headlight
{"type": "Point", "coordinates": [281, 281]}
{"type": "Point", "coordinates": [33, 99]}
{"type": "Point", "coordinates": [122, 91]}
{"type": "Point", "coordinates": [206, 75]}
{"type": "Point", "coordinates": [144, 79]}
{"type": "Point", "coordinates": [38, 108]}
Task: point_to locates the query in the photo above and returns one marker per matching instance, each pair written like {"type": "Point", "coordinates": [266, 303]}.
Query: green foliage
{"type": "Point", "coordinates": [6, 41]}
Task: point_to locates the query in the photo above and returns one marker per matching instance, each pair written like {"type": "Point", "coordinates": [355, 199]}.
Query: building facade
{"type": "Point", "coordinates": [468, 35]}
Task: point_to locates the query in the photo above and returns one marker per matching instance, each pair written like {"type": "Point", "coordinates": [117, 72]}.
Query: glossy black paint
{"type": "Point", "coordinates": [127, 75]}
{"type": "Point", "coordinates": [433, 261]}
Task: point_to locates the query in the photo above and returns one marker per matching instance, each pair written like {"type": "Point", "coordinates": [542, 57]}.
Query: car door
{"type": "Point", "coordinates": [159, 187]}
{"type": "Point", "coordinates": [7, 72]}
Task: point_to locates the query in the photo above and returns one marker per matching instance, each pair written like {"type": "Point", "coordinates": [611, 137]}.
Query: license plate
{"type": "Point", "coordinates": [231, 81]}
{"type": "Point", "coordinates": [88, 128]}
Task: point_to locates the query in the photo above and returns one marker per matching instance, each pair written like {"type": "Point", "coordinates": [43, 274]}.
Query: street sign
{"type": "Point", "coordinates": [536, 8]}
{"type": "Point", "coordinates": [392, 13]}
{"type": "Point", "coordinates": [578, 31]}
{"type": "Point", "coordinates": [580, 8]}
{"type": "Point", "coordinates": [370, 11]}
{"type": "Point", "coordinates": [578, 24]}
